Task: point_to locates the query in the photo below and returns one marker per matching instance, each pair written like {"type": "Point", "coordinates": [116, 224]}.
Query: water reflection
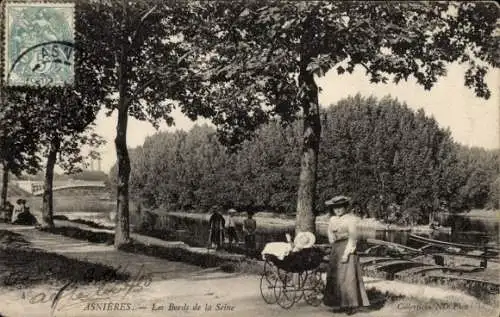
{"type": "Point", "coordinates": [100, 218]}
{"type": "Point", "coordinates": [469, 230]}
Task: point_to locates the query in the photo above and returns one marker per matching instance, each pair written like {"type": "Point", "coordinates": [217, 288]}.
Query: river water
{"type": "Point", "coordinates": [102, 218]}
{"type": "Point", "coordinates": [464, 229]}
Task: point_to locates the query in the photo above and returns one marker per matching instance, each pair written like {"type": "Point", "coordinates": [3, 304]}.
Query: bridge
{"type": "Point", "coordinates": [36, 188]}
{"type": "Point", "coordinates": [39, 192]}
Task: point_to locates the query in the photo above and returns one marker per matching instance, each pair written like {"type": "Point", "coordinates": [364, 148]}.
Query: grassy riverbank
{"type": "Point", "coordinates": [482, 213]}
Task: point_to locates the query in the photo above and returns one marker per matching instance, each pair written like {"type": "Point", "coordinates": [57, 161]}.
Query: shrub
{"type": "Point", "coordinates": [80, 234]}
{"type": "Point", "coordinates": [147, 221]}
{"type": "Point", "coordinates": [411, 216]}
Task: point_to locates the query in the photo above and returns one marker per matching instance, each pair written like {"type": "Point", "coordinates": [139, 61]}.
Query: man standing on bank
{"type": "Point", "coordinates": [249, 229]}
{"type": "Point", "coordinates": [345, 290]}
{"type": "Point", "coordinates": [231, 228]}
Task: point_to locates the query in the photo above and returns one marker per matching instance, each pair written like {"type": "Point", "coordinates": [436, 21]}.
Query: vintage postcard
{"type": "Point", "coordinates": [249, 158]}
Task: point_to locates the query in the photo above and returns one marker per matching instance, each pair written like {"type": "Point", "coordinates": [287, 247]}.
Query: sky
{"type": "Point", "coordinates": [472, 121]}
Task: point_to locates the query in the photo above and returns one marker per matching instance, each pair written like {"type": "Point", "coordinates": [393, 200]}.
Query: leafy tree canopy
{"type": "Point", "coordinates": [251, 55]}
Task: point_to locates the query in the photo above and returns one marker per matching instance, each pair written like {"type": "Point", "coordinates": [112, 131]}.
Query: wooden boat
{"type": "Point", "coordinates": [392, 244]}
{"type": "Point", "coordinates": [443, 229]}
{"type": "Point", "coordinates": [429, 241]}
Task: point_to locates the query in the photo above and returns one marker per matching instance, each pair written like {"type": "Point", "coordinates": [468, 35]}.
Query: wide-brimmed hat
{"type": "Point", "coordinates": [304, 240]}
{"type": "Point", "coordinates": [20, 201]}
{"type": "Point", "coordinates": [338, 201]}
{"type": "Point", "coordinates": [232, 211]}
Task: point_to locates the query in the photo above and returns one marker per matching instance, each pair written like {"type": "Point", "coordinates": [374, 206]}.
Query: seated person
{"type": "Point", "coordinates": [25, 217]}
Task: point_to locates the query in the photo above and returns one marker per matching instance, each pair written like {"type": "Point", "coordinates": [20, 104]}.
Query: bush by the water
{"type": "Point", "coordinates": [80, 234]}
{"type": "Point", "coordinates": [89, 223]}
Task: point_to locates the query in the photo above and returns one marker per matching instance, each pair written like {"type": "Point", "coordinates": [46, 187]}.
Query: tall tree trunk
{"type": "Point", "coordinates": [5, 184]}
{"type": "Point", "coordinates": [122, 234]}
{"type": "Point", "coordinates": [122, 228]}
{"type": "Point", "coordinates": [47, 198]}
{"type": "Point", "coordinates": [5, 178]}
{"type": "Point", "coordinates": [306, 200]}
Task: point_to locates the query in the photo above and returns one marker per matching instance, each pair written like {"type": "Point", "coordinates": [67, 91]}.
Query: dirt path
{"type": "Point", "coordinates": [237, 296]}
{"type": "Point", "coordinates": [102, 254]}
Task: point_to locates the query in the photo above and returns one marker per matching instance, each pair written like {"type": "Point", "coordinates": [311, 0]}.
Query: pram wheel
{"type": "Point", "coordinates": [313, 287]}
{"type": "Point", "coordinates": [286, 289]}
{"type": "Point", "coordinates": [267, 283]}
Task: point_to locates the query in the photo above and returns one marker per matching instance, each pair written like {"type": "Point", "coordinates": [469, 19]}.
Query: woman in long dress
{"type": "Point", "coordinates": [344, 283]}
{"type": "Point", "coordinates": [217, 224]}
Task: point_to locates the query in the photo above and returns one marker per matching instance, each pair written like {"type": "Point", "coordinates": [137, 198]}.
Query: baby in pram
{"type": "Point", "coordinates": [303, 240]}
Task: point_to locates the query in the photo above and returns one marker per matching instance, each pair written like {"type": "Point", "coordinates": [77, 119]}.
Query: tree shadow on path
{"type": "Point", "coordinates": [25, 267]}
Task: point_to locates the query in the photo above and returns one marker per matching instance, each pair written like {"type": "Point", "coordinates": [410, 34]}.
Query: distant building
{"type": "Point", "coordinates": [36, 187]}
{"type": "Point", "coordinates": [93, 164]}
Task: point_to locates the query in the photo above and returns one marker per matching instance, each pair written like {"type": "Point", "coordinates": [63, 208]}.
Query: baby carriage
{"type": "Point", "coordinates": [292, 276]}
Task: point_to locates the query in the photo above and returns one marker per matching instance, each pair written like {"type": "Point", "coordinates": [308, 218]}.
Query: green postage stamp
{"type": "Point", "coordinates": [39, 44]}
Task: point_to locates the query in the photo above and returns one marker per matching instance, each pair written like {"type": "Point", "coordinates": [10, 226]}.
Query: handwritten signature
{"type": "Point", "coordinates": [73, 293]}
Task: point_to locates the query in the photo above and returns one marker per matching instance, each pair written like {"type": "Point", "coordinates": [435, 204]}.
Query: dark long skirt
{"type": "Point", "coordinates": [250, 245]}
{"type": "Point", "coordinates": [217, 236]}
{"type": "Point", "coordinates": [231, 235]}
{"type": "Point", "coordinates": [344, 282]}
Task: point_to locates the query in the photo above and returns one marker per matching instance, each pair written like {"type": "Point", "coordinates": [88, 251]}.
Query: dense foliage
{"type": "Point", "coordinates": [379, 151]}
